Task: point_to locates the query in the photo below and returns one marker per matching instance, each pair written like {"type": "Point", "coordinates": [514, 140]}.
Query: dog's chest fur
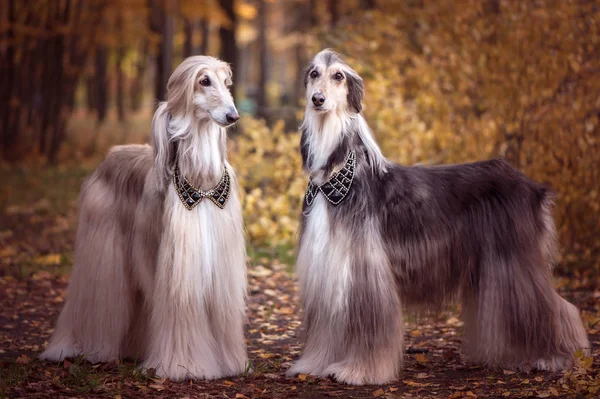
{"type": "Point", "coordinates": [324, 262]}
{"type": "Point", "coordinates": [203, 248]}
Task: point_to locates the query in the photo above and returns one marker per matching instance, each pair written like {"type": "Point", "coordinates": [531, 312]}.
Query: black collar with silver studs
{"type": "Point", "coordinates": [192, 196]}
{"type": "Point", "coordinates": [337, 187]}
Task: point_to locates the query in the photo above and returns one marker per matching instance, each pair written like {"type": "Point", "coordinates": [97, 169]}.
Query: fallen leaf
{"type": "Point", "coordinates": [471, 394]}
{"type": "Point", "coordinates": [41, 275]}
{"type": "Point", "coordinates": [228, 383]}
{"type": "Point", "coordinates": [48, 260]}
{"type": "Point", "coordinates": [302, 377]}
{"type": "Point", "coordinates": [421, 358]}
{"type": "Point", "coordinates": [7, 251]}
{"type": "Point", "coordinates": [508, 372]}
{"type": "Point", "coordinates": [378, 393]}
{"type": "Point", "coordinates": [23, 359]}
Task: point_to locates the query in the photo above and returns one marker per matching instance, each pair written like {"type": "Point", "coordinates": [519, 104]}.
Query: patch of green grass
{"type": "Point", "coordinates": [285, 254]}
{"type": "Point", "coordinates": [82, 376]}
{"type": "Point", "coordinates": [13, 374]}
{"type": "Point", "coordinates": [29, 267]}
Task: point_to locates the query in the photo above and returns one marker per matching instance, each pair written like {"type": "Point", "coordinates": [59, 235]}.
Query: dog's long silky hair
{"type": "Point", "coordinates": [419, 237]}
{"type": "Point", "coordinates": [152, 279]}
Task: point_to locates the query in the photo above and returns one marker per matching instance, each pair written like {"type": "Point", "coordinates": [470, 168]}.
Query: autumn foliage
{"type": "Point", "coordinates": [446, 81]}
{"type": "Point", "coordinates": [451, 82]}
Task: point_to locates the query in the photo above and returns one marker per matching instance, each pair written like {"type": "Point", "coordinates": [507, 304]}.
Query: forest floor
{"type": "Point", "coordinates": [37, 226]}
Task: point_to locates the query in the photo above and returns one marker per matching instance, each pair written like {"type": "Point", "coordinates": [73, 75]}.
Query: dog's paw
{"type": "Point", "coordinates": [297, 368]}
{"type": "Point", "coordinates": [304, 367]}
{"type": "Point", "coordinates": [556, 363]}
{"type": "Point", "coordinates": [345, 373]}
{"type": "Point", "coordinates": [354, 374]}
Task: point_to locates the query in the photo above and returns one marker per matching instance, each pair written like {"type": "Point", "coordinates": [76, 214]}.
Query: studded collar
{"type": "Point", "coordinates": [192, 196]}
{"type": "Point", "coordinates": [337, 187]}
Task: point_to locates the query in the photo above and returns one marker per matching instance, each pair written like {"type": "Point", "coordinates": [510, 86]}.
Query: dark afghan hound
{"type": "Point", "coordinates": [377, 236]}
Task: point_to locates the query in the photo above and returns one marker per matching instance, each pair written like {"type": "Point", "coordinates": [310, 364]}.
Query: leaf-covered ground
{"type": "Point", "coordinates": [37, 219]}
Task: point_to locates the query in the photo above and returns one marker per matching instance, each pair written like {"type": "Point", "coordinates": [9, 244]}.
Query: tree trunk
{"type": "Point", "coordinates": [137, 84]}
{"type": "Point", "coordinates": [120, 100]}
{"type": "Point", "coordinates": [120, 55]}
{"type": "Point", "coordinates": [7, 67]}
{"type": "Point", "coordinates": [313, 18]}
{"type": "Point", "coordinates": [189, 27]}
{"type": "Point", "coordinates": [229, 52]}
{"type": "Point", "coordinates": [334, 11]}
{"type": "Point", "coordinates": [205, 37]}
{"type": "Point", "coordinates": [367, 4]}
{"type": "Point", "coordinates": [261, 98]}
{"type": "Point", "coordinates": [162, 23]}
{"type": "Point", "coordinates": [101, 83]}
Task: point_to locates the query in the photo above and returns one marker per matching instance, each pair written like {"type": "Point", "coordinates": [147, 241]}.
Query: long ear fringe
{"type": "Point", "coordinates": [163, 147]}
{"type": "Point", "coordinates": [356, 91]}
{"type": "Point", "coordinates": [376, 158]}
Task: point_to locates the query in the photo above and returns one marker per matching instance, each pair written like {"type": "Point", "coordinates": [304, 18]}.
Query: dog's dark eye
{"type": "Point", "coordinates": [338, 76]}
{"type": "Point", "coordinates": [205, 82]}
{"type": "Point", "coordinates": [314, 74]}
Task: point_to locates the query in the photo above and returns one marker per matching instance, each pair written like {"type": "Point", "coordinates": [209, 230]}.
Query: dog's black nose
{"type": "Point", "coordinates": [232, 117]}
{"type": "Point", "coordinates": [318, 99]}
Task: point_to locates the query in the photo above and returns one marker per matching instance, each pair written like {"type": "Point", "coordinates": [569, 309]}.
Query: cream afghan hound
{"type": "Point", "coordinates": [160, 263]}
{"type": "Point", "coordinates": [377, 236]}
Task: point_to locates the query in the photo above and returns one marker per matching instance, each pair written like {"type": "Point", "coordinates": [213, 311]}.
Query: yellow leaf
{"type": "Point", "coordinates": [23, 359]}
{"type": "Point", "coordinates": [421, 358]}
{"type": "Point", "coordinates": [378, 393]}
{"type": "Point", "coordinates": [302, 377]}
{"type": "Point", "coordinates": [7, 251]}
{"type": "Point", "coordinates": [228, 383]}
{"type": "Point", "coordinates": [48, 260]}
{"type": "Point", "coordinates": [471, 394]}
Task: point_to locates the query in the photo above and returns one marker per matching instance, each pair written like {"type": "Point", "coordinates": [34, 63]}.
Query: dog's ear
{"type": "Point", "coordinates": [163, 146]}
{"type": "Point", "coordinates": [229, 72]}
{"type": "Point", "coordinates": [181, 88]}
{"type": "Point", "coordinates": [306, 72]}
{"type": "Point", "coordinates": [356, 92]}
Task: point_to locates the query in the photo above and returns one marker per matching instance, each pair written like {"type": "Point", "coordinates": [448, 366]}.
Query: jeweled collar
{"type": "Point", "coordinates": [337, 187]}
{"type": "Point", "coordinates": [192, 196]}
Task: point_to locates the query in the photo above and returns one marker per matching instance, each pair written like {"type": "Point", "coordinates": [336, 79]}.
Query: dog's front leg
{"type": "Point", "coordinates": [374, 332]}
{"type": "Point", "coordinates": [324, 342]}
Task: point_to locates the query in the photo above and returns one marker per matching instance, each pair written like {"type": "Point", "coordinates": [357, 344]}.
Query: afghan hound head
{"type": "Point", "coordinates": [332, 86]}
{"type": "Point", "coordinates": [198, 103]}
{"type": "Point", "coordinates": [333, 119]}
